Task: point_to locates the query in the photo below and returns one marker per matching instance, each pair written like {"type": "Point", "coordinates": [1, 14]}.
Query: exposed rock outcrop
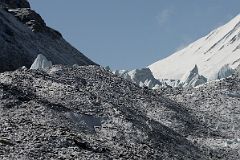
{"type": "Point", "coordinates": [24, 35]}
{"type": "Point", "coordinates": [15, 4]}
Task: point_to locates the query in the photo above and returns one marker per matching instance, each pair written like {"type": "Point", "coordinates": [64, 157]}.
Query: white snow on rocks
{"type": "Point", "coordinates": [41, 63]}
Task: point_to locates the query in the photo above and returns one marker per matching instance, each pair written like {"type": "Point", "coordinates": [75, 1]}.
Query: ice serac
{"type": "Point", "coordinates": [210, 53]}
{"type": "Point", "coordinates": [41, 63]}
{"type": "Point", "coordinates": [24, 35]}
{"type": "Point", "coordinates": [143, 77]}
{"type": "Point", "coordinates": [192, 78]}
{"type": "Point", "coordinates": [225, 72]}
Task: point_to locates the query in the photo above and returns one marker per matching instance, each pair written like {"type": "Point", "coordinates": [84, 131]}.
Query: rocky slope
{"type": "Point", "coordinates": [24, 35]}
{"type": "Point", "coordinates": [89, 113]}
{"type": "Point", "coordinates": [218, 104]}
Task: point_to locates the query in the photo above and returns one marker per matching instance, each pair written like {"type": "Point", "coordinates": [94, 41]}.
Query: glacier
{"type": "Point", "coordinates": [41, 63]}
{"type": "Point", "coordinates": [192, 78]}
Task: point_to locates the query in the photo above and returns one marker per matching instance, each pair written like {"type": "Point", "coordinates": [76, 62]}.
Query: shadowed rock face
{"type": "Point", "coordinates": [24, 35]}
{"type": "Point", "coordinates": [16, 3]}
{"type": "Point", "coordinates": [87, 112]}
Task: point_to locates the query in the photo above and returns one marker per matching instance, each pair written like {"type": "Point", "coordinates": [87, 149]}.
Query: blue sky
{"type": "Point", "coordinates": [128, 34]}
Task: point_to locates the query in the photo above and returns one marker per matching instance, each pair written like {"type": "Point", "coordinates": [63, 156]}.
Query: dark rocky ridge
{"type": "Point", "coordinates": [24, 35]}
{"type": "Point", "coordinates": [15, 3]}
{"type": "Point", "coordinates": [90, 113]}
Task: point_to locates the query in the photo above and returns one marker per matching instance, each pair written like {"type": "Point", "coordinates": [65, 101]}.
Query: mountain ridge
{"type": "Point", "coordinates": [24, 35]}
{"type": "Point", "coordinates": [210, 53]}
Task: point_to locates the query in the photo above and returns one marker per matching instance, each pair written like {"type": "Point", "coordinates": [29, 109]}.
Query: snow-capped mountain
{"type": "Point", "coordinates": [219, 48]}
{"type": "Point", "coordinates": [24, 35]}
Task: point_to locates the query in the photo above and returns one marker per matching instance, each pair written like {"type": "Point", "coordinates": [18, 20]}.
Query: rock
{"type": "Point", "coordinates": [34, 21]}
{"type": "Point", "coordinates": [238, 70]}
{"type": "Point", "coordinates": [20, 45]}
{"type": "Point", "coordinates": [41, 63]}
{"type": "Point", "coordinates": [216, 104]}
{"type": "Point", "coordinates": [15, 3]}
{"type": "Point", "coordinates": [29, 17]}
{"type": "Point", "coordinates": [108, 68]}
{"type": "Point", "coordinates": [6, 142]}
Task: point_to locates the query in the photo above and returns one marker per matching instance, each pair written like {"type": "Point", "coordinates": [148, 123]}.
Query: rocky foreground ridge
{"type": "Point", "coordinates": [89, 113]}
{"type": "Point", "coordinates": [86, 112]}
{"type": "Point", "coordinates": [218, 104]}
{"type": "Point", "coordinates": [24, 35]}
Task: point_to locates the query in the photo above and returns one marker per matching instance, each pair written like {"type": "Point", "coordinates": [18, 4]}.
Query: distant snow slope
{"type": "Point", "coordinates": [210, 54]}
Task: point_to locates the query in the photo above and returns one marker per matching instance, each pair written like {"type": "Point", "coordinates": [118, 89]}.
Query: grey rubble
{"type": "Point", "coordinates": [24, 35]}
{"type": "Point", "coordinates": [218, 104]}
{"type": "Point", "coordinates": [89, 113]}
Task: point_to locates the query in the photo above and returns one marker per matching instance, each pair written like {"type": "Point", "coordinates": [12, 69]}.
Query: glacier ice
{"type": "Point", "coordinates": [192, 78]}
{"type": "Point", "coordinates": [143, 77]}
{"type": "Point", "coordinates": [225, 72]}
{"type": "Point", "coordinates": [41, 63]}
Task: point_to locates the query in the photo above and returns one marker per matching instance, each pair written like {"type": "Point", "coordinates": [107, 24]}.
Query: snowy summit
{"type": "Point", "coordinates": [210, 54]}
